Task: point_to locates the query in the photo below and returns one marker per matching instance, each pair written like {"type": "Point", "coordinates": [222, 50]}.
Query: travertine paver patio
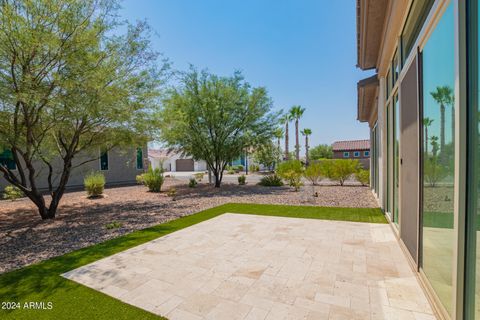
{"type": "Point", "coordinates": [239, 266]}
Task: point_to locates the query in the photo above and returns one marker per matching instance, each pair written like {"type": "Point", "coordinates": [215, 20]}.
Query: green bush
{"type": "Point", "coordinates": [433, 170]}
{"type": "Point", "coordinates": [239, 168]}
{"type": "Point", "coordinates": [12, 193]}
{"type": "Point", "coordinates": [327, 168]}
{"type": "Point", "coordinates": [242, 179]}
{"type": "Point", "coordinates": [153, 179]}
{"type": "Point", "coordinates": [199, 176]}
{"type": "Point", "coordinates": [272, 180]}
{"type": "Point", "coordinates": [94, 183]}
{"type": "Point", "coordinates": [192, 183]}
{"type": "Point", "coordinates": [313, 173]}
{"type": "Point", "coordinates": [363, 176]}
{"type": "Point", "coordinates": [230, 171]}
{"type": "Point", "coordinates": [344, 169]}
{"type": "Point", "coordinates": [139, 178]}
{"type": "Point", "coordinates": [291, 171]}
{"type": "Point", "coordinates": [113, 225]}
{"type": "Point", "coordinates": [254, 168]}
{"type": "Point", "coordinates": [172, 192]}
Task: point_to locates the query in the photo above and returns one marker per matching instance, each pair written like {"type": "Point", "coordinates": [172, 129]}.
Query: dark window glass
{"type": "Point", "coordinates": [6, 159]}
{"type": "Point", "coordinates": [416, 17]}
{"type": "Point", "coordinates": [139, 158]}
{"type": "Point", "coordinates": [104, 160]}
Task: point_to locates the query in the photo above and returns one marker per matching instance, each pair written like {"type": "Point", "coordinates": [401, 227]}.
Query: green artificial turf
{"type": "Point", "coordinates": [42, 282]}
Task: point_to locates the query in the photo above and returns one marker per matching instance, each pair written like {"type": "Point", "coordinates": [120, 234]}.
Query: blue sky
{"type": "Point", "coordinates": [303, 52]}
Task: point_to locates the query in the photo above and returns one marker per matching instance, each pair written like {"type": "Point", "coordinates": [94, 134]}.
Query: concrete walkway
{"type": "Point", "coordinates": [240, 266]}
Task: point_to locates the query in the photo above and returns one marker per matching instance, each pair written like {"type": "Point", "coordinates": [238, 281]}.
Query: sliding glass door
{"type": "Point", "coordinates": [438, 60]}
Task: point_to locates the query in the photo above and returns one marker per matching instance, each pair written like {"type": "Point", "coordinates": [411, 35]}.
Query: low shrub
{"type": "Point", "coordinates": [254, 168]}
{"type": "Point", "coordinates": [94, 183]}
{"type": "Point", "coordinates": [363, 176]}
{"type": "Point", "coordinates": [313, 173]}
{"type": "Point", "coordinates": [199, 176]}
{"type": "Point", "coordinates": [139, 178]}
{"type": "Point", "coordinates": [242, 179]}
{"type": "Point", "coordinates": [239, 168]}
{"type": "Point", "coordinates": [291, 171]}
{"type": "Point", "coordinates": [12, 193]}
{"type": "Point", "coordinates": [113, 225]}
{"type": "Point", "coordinates": [192, 183]}
{"type": "Point", "coordinates": [231, 171]}
{"type": "Point", "coordinates": [172, 192]}
{"type": "Point", "coordinates": [153, 179]}
{"type": "Point", "coordinates": [272, 180]}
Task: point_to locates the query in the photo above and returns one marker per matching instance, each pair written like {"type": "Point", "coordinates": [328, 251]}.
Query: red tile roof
{"type": "Point", "coordinates": [351, 145]}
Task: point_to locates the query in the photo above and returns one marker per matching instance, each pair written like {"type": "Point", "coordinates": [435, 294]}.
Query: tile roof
{"type": "Point", "coordinates": [351, 145]}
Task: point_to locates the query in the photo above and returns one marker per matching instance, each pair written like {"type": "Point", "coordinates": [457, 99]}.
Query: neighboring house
{"type": "Point", "coordinates": [174, 162]}
{"type": "Point", "coordinates": [353, 149]}
{"type": "Point", "coordinates": [422, 107]}
{"type": "Point", "coordinates": [119, 166]}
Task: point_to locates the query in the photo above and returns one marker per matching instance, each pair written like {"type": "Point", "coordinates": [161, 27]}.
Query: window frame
{"type": "Point", "coordinates": [346, 154]}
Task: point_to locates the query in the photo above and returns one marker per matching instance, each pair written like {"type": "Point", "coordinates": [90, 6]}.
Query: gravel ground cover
{"type": "Point", "coordinates": [80, 222]}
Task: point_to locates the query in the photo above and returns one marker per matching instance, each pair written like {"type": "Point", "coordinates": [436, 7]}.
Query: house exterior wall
{"type": "Point", "coordinates": [362, 158]}
{"type": "Point", "coordinates": [169, 164]}
{"type": "Point", "coordinates": [122, 169]}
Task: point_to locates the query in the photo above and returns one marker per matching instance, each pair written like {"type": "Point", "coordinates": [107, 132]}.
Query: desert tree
{"type": "Point", "coordinates": [215, 118]}
{"type": "Point", "coordinates": [306, 132]}
{"type": "Point", "coordinates": [70, 84]}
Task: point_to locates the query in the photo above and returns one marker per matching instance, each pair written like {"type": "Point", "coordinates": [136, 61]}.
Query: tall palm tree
{"type": "Point", "coordinates": [443, 95]}
{"type": "Point", "coordinates": [278, 134]}
{"type": "Point", "coordinates": [306, 133]}
{"type": "Point", "coordinates": [296, 112]}
{"type": "Point", "coordinates": [285, 119]}
{"type": "Point", "coordinates": [427, 122]}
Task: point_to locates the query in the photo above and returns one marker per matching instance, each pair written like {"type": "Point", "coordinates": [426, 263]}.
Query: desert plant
{"type": "Point", "coordinates": [113, 225]}
{"type": "Point", "coordinates": [12, 193]}
{"type": "Point", "coordinates": [363, 176]}
{"type": "Point", "coordinates": [192, 183]}
{"type": "Point", "coordinates": [94, 183]}
{"type": "Point", "coordinates": [254, 168]}
{"type": "Point", "coordinates": [172, 193]}
{"type": "Point", "coordinates": [344, 169]}
{"type": "Point", "coordinates": [242, 179]}
{"type": "Point", "coordinates": [231, 171]}
{"type": "Point", "coordinates": [199, 176]}
{"type": "Point", "coordinates": [326, 168]}
{"type": "Point", "coordinates": [139, 179]}
{"type": "Point", "coordinates": [272, 180]}
{"type": "Point", "coordinates": [433, 171]}
{"type": "Point", "coordinates": [239, 168]}
{"type": "Point", "coordinates": [313, 173]}
{"type": "Point", "coordinates": [153, 179]}
{"type": "Point", "coordinates": [291, 171]}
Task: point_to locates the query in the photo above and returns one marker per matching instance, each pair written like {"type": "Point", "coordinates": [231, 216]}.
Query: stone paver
{"type": "Point", "coordinates": [239, 266]}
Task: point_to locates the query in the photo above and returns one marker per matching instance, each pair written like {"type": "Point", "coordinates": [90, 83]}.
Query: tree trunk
{"type": "Point", "coordinates": [426, 140]}
{"type": "Point", "coordinates": [286, 141]}
{"type": "Point", "coordinates": [306, 150]}
{"type": "Point", "coordinates": [297, 144]}
{"type": "Point", "coordinates": [442, 130]}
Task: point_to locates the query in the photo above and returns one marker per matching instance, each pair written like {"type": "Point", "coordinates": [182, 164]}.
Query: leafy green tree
{"type": "Point", "coordinates": [313, 172]}
{"type": "Point", "coordinates": [70, 85]}
{"type": "Point", "coordinates": [216, 118]}
{"type": "Point", "coordinates": [296, 112]}
{"type": "Point", "coordinates": [363, 176]}
{"type": "Point", "coordinates": [266, 154]}
{"type": "Point", "coordinates": [343, 169]}
{"type": "Point", "coordinates": [322, 151]}
{"type": "Point", "coordinates": [433, 171]}
{"type": "Point", "coordinates": [306, 133]}
{"type": "Point", "coordinates": [291, 171]}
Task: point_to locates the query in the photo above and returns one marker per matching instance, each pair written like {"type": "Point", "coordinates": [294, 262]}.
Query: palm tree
{"type": "Point", "coordinates": [278, 134]}
{"type": "Point", "coordinates": [443, 96]}
{"type": "Point", "coordinates": [427, 122]}
{"type": "Point", "coordinates": [296, 112]}
{"type": "Point", "coordinates": [306, 133]}
{"type": "Point", "coordinates": [286, 119]}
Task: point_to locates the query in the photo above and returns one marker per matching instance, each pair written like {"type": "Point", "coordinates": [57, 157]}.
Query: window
{"type": "Point", "coordinates": [395, 67]}
{"type": "Point", "coordinates": [346, 154]}
{"type": "Point", "coordinates": [104, 160]}
{"type": "Point", "coordinates": [139, 158]}
{"type": "Point", "coordinates": [366, 153]}
{"type": "Point", "coordinates": [6, 159]}
{"type": "Point", "coordinates": [438, 163]}
{"type": "Point", "coordinates": [356, 154]}
{"type": "Point", "coordinates": [416, 17]}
